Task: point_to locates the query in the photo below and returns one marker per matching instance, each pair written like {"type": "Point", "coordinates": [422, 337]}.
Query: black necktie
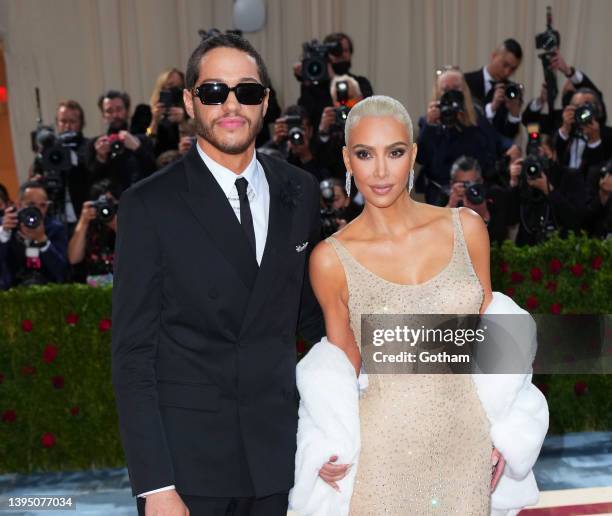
{"type": "Point", "coordinates": [246, 219]}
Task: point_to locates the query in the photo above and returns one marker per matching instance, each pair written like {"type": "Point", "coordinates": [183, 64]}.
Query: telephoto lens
{"type": "Point", "coordinates": [31, 217]}
{"type": "Point", "coordinates": [105, 209]}
{"type": "Point", "coordinates": [584, 114]}
{"type": "Point", "coordinates": [475, 193]}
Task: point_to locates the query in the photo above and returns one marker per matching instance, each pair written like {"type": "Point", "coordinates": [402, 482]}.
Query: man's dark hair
{"type": "Point", "coordinates": [337, 37]}
{"type": "Point", "coordinates": [74, 105]}
{"type": "Point", "coordinates": [101, 187]}
{"type": "Point", "coordinates": [4, 195]}
{"type": "Point", "coordinates": [296, 110]}
{"type": "Point", "coordinates": [223, 41]}
{"type": "Point", "coordinates": [115, 94]}
{"type": "Point", "coordinates": [514, 47]}
{"type": "Point", "coordinates": [31, 184]}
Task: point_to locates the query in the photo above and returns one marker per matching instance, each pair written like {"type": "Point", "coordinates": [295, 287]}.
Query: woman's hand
{"type": "Point", "coordinates": [157, 112]}
{"type": "Point", "coordinates": [433, 112]}
{"type": "Point", "coordinates": [497, 467]}
{"type": "Point", "coordinates": [88, 213]}
{"type": "Point", "coordinates": [332, 473]}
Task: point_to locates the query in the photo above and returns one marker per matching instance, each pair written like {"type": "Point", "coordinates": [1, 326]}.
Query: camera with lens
{"type": "Point", "coordinates": [475, 192]}
{"type": "Point", "coordinates": [605, 169]}
{"type": "Point", "coordinates": [315, 59]}
{"type": "Point", "coordinates": [105, 208]}
{"type": "Point", "coordinates": [31, 217]}
{"type": "Point", "coordinates": [451, 104]}
{"type": "Point", "coordinates": [329, 216]}
{"type": "Point", "coordinates": [171, 97]}
{"type": "Point", "coordinates": [295, 129]}
{"type": "Point", "coordinates": [549, 40]}
{"type": "Point", "coordinates": [117, 147]}
{"type": "Point", "coordinates": [513, 90]}
{"type": "Point", "coordinates": [585, 114]}
{"type": "Point", "coordinates": [533, 164]}
{"type": "Point", "coordinates": [55, 151]}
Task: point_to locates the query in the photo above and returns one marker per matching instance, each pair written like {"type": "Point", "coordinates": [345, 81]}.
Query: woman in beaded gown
{"type": "Point", "coordinates": [425, 444]}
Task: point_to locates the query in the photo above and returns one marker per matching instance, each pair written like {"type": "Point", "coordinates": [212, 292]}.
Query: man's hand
{"type": "Point", "coordinates": [37, 234]}
{"type": "Point", "coordinates": [102, 147]}
{"type": "Point", "coordinates": [327, 120]}
{"type": "Point", "coordinates": [558, 63]}
{"type": "Point", "coordinates": [515, 172]}
{"type": "Point", "coordinates": [280, 130]}
{"type": "Point", "coordinates": [457, 195]}
{"type": "Point", "coordinates": [540, 183]}
{"type": "Point", "coordinates": [498, 464]}
{"type": "Point", "coordinates": [592, 131]}
{"type": "Point", "coordinates": [433, 112]}
{"type": "Point", "coordinates": [129, 140]}
{"type": "Point", "coordinates": [165, 503]}
{"type": "Point", "coordinates": [9, 221]}
{"type": "Point", "coordinates": [514, 106]}
{"type": "Point", "coordinates": [568, 120]}
{"type": "Point", "coordinates": [88, 213]}
{"type": "Point", "coordinates": [514, 152]}
{"type": "Point", "coordinates": [499, 96]}
{"type": "Point", "coordinates": [332, 473]}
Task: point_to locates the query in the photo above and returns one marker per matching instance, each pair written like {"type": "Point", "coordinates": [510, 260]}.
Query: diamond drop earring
{"type": "Point", "coordinates": [347, 185]}
{"type": "Point", "coordinates": [411, 181]}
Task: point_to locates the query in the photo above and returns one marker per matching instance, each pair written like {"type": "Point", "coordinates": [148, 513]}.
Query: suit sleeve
{"type": "Point", "coordinates": [136, 321]}
{"type": "Point", "coordinates": [310, 322]}
{"type": "Point", "coordinates": [55, 258]}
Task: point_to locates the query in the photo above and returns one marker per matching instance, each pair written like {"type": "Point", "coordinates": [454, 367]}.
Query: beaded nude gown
{"type": "Point", "coordinates": [425, 444]}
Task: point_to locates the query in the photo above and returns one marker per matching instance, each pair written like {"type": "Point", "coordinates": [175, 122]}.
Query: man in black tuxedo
{"type": "Point", "coordinates": [210, 288]}
{"type": "Point", "coordinates": [488, 84]}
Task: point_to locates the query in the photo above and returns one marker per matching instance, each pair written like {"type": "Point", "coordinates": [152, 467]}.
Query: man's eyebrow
{"type": "Point", "coordinates": [218, 79]}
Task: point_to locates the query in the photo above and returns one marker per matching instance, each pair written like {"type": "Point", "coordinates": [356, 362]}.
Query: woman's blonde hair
{"type": "Point", "coordinates": [467, 118]}
{"type": "Point", "coordinates": [159, 84]}
{"type": "Point", "coordinates": [378, 105]}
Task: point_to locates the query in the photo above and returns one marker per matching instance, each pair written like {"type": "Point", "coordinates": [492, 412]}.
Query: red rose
{"type": "Point", "coordinates": [58, 382]}
{"type": "Point", "coordinates": [300, 345]}
{"type": "Point", "coordinates": [555, 308]}
{"type": "Point", "coordinates": [47, 440]}
{"type": "Point", "coordinates": [516, 277]}
{"type": "Point", "coordinates": [503, 267]}
{"type": "Point", "coordinates": [543, 388]}
{"type": "Point", "coordinates": [581, 388]}
{"type": "Point", "coordinates": [510, 291]}
{"type": "Point", "coordinates": [597, 262]}
{"type": "Point", "coordinates": [75, 411]}
{"type": "Point", "coordinates": [532, 303]}
{"type": "Point", "coordinates": [555, 266]}
{"type": "Point", "coordinates": [8, 416]}
{"type": "Point", "coordinates": [105, 324]}
{"type": "Point", "coordinates": [551, 286]}
{"type": "Point", "coordinates": [577, 269]}
{"type": "Point", "coordinates": [28, 370]}
{"type": "Point", "coordinates": [72, 319]}
{"type": "Point", "coordinates": [536, 274]}
{"type": "Point", "coordinates": [49, 353]}
{"type": "Point", "coordinates": [26, 325]}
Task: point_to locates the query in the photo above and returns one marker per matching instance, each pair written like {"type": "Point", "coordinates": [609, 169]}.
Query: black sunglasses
{"type": "Point", "coordinates": [216, 93]}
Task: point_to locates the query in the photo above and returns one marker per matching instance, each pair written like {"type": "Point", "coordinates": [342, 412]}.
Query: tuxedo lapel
{"type": "Point", "coordinates": [279, 227]}
{"type": "Point", "coordinates": [210, 206]}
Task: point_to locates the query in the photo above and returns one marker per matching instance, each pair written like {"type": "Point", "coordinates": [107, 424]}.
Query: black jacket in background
{"type": "Point", "coordinates": [591, 156]}
{"type": "Point", "coordinates": [475, 81]}
{"type": "Point", "coordinates": [204, 348]}
{"type": "Point", "coordinates": [598, 216]}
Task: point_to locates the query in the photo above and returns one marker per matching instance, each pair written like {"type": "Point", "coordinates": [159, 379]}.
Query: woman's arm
{"type": "Point", "coordinates": [477, 241]}
{"type": "Point", "coordinates": [330, 288]}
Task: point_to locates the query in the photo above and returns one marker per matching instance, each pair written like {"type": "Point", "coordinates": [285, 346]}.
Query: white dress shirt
{"type": "Point", "coordinates": [488, 84]}
{"type": "Point", "coordinates": [258, 192]}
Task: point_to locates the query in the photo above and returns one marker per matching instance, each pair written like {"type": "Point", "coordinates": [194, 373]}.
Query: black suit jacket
{"type": "Point", "coordinates": [203, 340]}
{"type": "Point", "coordinates": [476, 83]}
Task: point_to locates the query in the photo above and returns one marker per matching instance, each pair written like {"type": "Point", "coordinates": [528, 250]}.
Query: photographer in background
{"type": "Point", "coordinates": [575, 80]}
{"type": "Point", "coordinates": [452, 128]}
{"type": "Point", "coordinates": [119, 156]}
{"type": "Point", "coordinates": [548, 196]}
{"type": "Point", "coordinates": [167, 110]}
{"type": "Point", "coordinates": [491, 202]}
{"type": "Point", "coordinates": [598, 216]}
{"type": "Point", "coordinates": [92, 247]}
{"type": "Point", "coordinates": [492, 88]}
{"type": "Point", "coordinates": [292, 137]}
{"type": "Point", "coordinates": [583, 140]}
{"type": "Point", "coordinates": [32, 244]}
{"type": "Point", "coordinates": [337, 208]}
{"type": "Point", "coordinates": [320, 64]}
{"type": "Point", "coordinates": [61, 162]}
{"type": "Point", "coordinates": [329, 140]}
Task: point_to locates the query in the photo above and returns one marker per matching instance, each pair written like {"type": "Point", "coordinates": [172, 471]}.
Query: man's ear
{"type": "Point", "coordinates": [188, 101]}
{"type": "Point", "coordinates": [265, 102]}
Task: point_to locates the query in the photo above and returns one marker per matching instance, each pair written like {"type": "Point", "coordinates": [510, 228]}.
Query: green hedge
{"type": "Point", "coordinates": [56, 403]}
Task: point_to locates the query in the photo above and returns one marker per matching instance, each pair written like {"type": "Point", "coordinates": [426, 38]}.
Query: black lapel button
{"type": "Point", "coordinates": [213, 293]}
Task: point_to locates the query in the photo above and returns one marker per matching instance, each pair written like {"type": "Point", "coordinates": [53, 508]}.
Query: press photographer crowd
{"type": "Point", "coordinates": [62, 225]}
